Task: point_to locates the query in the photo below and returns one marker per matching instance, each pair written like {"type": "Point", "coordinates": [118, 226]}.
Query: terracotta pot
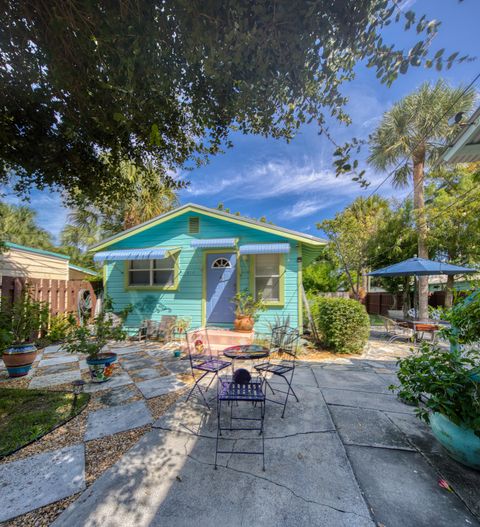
{"type": "Point", "coordinates": [101, 368]}
{"type": "Point", "coordinates": [243, 323]}
{"type": "Point", "coordinates": [19, 359]}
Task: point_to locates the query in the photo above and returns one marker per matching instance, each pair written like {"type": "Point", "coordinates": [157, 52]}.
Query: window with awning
{"type": "Point", "coordinates": [150, 253]}
{"type": "Point", "coordinates": [155, 273]}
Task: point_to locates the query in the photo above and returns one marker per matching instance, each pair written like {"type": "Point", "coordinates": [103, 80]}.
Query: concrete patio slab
{"type": "Point", "coordinates": [349, 380]}
{"type": "Point", "coordinates": [465, 481]}
{"type": "Point", "coordinates": [44, 381]}
{"type": "Point", "coordinates": [54, 348]}
{"type": "Point", "coordinates": [26, 484]}
{"type": "Point", "coordinates": [63, 359]}
{"type": "Point", "coordinates": [402, 490]}
{"type": "Point", "coordinates": [168, 474]}
{"type": "Point", "coordinates": [116, 419]}
{"type": "Point", "coordinates": [385, 402]}
{"type": "Point", "coordinates": [121, 379]}
{"type": "Point", "coordinates": [160, 386]}
{"type": "Point", "coordinates": [127, 350]}
{"type": "Point", "coordinates": [57, 368]}
{"type": "Point", "coordinates": [360, 426]}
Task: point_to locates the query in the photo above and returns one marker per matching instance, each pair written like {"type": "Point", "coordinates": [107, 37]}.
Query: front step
{"type": "Point", "coordinates": [226, 338]}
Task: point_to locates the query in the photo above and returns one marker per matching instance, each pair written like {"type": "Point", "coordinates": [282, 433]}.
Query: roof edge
{"type": "Point", "coordinates": [189, 207]}
{"type": "Point", "coordinates": [44, 252]}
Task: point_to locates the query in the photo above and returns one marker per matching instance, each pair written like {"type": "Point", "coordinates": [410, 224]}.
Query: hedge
{"type": "Point", "coordinates": [343, 324]}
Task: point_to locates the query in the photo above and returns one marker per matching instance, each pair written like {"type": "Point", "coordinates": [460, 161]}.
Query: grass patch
{"type": "Point", "coordinates": [376, 320]}
{"type": "Point", "coordinates": [26, 415]}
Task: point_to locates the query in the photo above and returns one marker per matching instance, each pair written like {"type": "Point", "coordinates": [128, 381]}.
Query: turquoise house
{"type": "Point", "coordinates": [191, 261]}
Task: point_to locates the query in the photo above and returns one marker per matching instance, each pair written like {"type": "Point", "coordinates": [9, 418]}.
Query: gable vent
{"type": "Point", "coordinates": [194, 225]}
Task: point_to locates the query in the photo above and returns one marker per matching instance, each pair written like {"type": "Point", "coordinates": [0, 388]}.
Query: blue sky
{"type": "Point", "coordinates": [293, 184]}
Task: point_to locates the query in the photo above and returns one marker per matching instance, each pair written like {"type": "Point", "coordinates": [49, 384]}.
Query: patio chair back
{"type": "Point", "coordinates": [166, 326]}
{"type": "Point", "coordinates": [149, 328]}
{"type": "Point", "coordinates": [198, 345]}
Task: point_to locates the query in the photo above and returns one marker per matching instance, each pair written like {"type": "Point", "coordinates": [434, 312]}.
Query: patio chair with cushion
{"type": "Point", "coordinates": [235, 390]}
{"type": "Point", "coordinates": [283, 344]}
{"type": "Point", "coordinates": [202, 361]}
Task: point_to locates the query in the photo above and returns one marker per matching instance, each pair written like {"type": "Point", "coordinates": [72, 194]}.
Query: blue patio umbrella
{"type": "Point", "coordinates": [421, 267]}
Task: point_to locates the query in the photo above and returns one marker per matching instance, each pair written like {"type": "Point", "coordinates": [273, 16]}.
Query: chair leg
{"type": "Point", "coordinates": [196, 385]}
{"type": "Point", "coordinates": [263, 435]}
{"type": "Point", "coordinates": [290, 389]}
{"type": "Point", "coordinates": [219, 431]}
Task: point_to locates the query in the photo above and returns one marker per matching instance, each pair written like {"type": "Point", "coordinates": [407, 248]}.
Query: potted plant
{"type": "Point", "coordinates": [442, 383]}
{"type": "Point", "coordinates": [246, 310]}
{"type": "Point", "coordinates": [21, 324]}
{"type": "Point", "coordinates": [91, 339]}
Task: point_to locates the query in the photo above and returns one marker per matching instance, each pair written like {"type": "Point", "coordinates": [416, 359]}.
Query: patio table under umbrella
{"type": "Point", "coordinates": [420, 267]}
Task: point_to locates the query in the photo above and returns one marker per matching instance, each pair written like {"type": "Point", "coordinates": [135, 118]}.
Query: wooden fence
{"type": "Point", "coordinates": [61, 295]}
{"type": "Point", "coordinates": [380, 303]}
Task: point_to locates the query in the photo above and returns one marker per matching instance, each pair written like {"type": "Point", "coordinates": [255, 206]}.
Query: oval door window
{"type": "Point", "coordinates": [221, 263]}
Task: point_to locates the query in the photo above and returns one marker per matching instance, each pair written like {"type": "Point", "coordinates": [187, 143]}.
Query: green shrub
{"type": "Point", "coordinates": [61, 326]}
{"type": "Point", "coordinates": [343, 324]}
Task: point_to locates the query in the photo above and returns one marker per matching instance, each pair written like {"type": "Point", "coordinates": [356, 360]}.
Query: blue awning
{"type": "Point", "coordinates": [265, 248]}
{"type": "Point", "coordinates": [152, 253]}
{"type": "Point", "coordinates": [213, 243]}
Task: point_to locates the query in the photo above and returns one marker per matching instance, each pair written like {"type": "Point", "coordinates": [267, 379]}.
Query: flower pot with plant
{"type": "Point", "coordinates": [90, 340]}
{"type": "Point", "coordinates": [442, 384]}
{"type": "Point", "coordinates": [247, 308]}
{"type": "Point", "coordinates": [22, 323]}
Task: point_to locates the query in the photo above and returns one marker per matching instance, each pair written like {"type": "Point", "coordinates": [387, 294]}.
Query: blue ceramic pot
{"type": "Point", "coordinates": [19, 359]}
{"type": "Point", "coordinates": [462, 444]}
{"type": "Point", "coordinates": [101, 368]}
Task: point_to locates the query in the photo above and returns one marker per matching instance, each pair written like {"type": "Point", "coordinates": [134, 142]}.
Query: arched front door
{"type": "Point", "coordinates": [221, 276]}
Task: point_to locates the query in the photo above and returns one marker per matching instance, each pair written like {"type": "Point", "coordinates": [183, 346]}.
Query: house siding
{"type": "Point", "coordinates": [186, 301]}
{"type": "Point", "coordinates": [26, 264]}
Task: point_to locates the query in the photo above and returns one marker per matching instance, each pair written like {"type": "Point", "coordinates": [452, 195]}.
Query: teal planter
{"type": "Point", "coordinates": [462, 444]}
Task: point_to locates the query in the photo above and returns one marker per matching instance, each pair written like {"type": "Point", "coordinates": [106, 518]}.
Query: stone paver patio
{"type": "Point", "coordinates": [348, 454]}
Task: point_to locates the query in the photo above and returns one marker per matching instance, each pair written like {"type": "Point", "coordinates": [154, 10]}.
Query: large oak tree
{"type": "Point", "coordinates": [165, 82]}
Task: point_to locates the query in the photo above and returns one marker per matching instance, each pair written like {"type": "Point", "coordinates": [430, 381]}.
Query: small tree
{"type": "Point", "coordinates": [349, 235]}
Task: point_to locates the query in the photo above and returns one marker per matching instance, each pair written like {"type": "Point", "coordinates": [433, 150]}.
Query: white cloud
{"type": "Point", "coordinates": [307, 207]}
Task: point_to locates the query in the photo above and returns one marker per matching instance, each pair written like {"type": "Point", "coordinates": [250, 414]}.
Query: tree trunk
{"type": "Point", "coordinates": [449, 291]}
{"type": "Point", "coordinates": [419, 207]}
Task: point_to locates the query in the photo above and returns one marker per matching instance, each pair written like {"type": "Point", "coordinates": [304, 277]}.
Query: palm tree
{"type": "Point", "coordinates": [18, 225]}
{"type": "Point", "coordinates": [410, 138]}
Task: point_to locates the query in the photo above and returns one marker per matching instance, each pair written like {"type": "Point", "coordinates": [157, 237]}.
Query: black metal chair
{"type": "Point", "coordinates": [232, 392]}
{"type": "Point", "coordinates": [202, 360]}
{"type": "Point", "coordinates": [284, 344]}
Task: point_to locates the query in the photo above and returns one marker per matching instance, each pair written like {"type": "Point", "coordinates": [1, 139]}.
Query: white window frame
{"type": "Point", "coordinates": [279, 276]}
{"type": "Point", "coordinates": [151, 270]}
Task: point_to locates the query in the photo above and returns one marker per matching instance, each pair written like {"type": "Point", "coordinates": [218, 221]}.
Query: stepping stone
{"type": "Point", "coordinates": [119, 395]}
{"type": "Point", "coordinates": [145, 374]}
{"type": "Point", "coordinates": [58, 368]}
{"type": "Point", "coordinates": [83, 365]}
{"type": "Point", "coordinates": [126, 351]}
{"type": "Point", "coordinates": [160, 386]}
{"type": "Point", "coordinates": [41, 479]}
{"type": "Point", "coordinates": [178, 366]}
{"type": "Point", "coordinates": [43, 381]}
{"type": "Point", "coordinates": [122, 379]}
{"type": "Point", "coordinates": [139, 363]}
{"type": "Point", "coordinates": [53, 349]}
{"type": "Point", "coordinates": [57, 360]}
{"type": "Point", "coordinates": [109, 421]}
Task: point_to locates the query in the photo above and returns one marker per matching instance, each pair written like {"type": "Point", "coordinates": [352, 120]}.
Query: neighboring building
{"type": "Point", "coordinates": [466, 146]}
{"type": "Point", "coordinates": [27, 262]}
{"type": "Point", "coordinates": [191, 261]}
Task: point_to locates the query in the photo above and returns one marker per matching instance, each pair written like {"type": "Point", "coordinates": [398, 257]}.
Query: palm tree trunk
{"type": "Point", "coordinates": [449, 291]}
{"type": "Point", "coordinates": [419, 206]}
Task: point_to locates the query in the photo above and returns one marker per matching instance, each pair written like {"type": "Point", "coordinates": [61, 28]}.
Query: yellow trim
{"type": "Point", "coordinates": [104, 278]}
{"type": "Point", "coordinates": [176, 275]}
{"type": "Point", "coordinates": [299, 287]}
{"type": "Point", "coordinates": [204, 277]}
{"type": "Point", "coordinates": [190, 208]}
{"type": "Point", "coordinates": [281, 283]}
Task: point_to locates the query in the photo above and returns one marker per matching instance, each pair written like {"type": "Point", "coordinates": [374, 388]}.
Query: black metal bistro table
{"type": "Point", "coordinates": [246, 352]}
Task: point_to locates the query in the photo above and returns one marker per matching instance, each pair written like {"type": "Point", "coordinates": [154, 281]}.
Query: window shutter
{"type": "Point", "coordinates": [194, 225]}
